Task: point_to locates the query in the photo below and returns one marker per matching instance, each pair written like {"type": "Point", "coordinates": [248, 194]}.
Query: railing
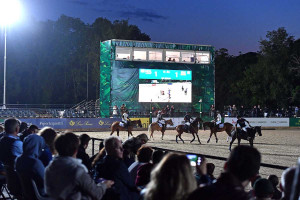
{"type": "Point", "coordinates": [207, 156]}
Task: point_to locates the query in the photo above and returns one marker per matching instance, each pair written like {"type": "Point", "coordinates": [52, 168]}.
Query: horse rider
{"type": "Point", "coordinates": [218, 119]}
{"type": "Point", "coordinates": [188, 120]}
{"type": "Point", "coordinates": [242, 122]}
{"type": "Point", "coordinates": [160, 120]}
{"type": "Point", "coordinates": [125, 119]}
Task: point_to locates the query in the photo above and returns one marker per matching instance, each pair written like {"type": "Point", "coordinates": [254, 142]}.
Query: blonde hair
{"type": "Point", "coordinates": [172, 179]}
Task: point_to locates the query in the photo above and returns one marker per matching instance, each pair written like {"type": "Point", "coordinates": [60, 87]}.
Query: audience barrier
{"type": "Point", "coordinates": [207, 156]}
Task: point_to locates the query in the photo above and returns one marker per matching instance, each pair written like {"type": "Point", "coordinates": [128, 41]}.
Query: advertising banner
{"type": "Point", "coordinates": [72, 123]}
{"type": "Point", "coordinates": [295, 122]}
{"type": "Point", "coordinates": [264, 122]}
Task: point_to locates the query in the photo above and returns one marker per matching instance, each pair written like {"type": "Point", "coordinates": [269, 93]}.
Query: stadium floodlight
{"type": "Point", "coordinates": [10, 11]}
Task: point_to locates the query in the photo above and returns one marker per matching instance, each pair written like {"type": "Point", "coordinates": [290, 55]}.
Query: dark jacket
{"type": "Point", "coordinates": [46, 156]}
{"type": "Point", "coordinates": [227, 187]}
{"type": "Point", "coordinates": [81, 154]}
{"type": "Point", "coordinates": [114, 169]}
{"type": "Point", "coordinates": [29, 167]}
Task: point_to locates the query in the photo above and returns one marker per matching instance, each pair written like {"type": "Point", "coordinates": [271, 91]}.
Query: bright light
{"type": "Point", "coordinates": [10, 11]}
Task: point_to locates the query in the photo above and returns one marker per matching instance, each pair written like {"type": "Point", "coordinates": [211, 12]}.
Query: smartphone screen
{"type": "Point", "coordinates": [193, 159]}
{"type": "Point", "coordinates": [199, 161]}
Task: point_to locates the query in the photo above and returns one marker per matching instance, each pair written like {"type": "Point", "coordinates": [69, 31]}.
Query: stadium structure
{"type": "Point", "coordinates": [143, 74]}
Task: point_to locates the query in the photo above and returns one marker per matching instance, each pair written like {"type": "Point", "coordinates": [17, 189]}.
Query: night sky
{"type": "Point", "coordinates": [237, 25]}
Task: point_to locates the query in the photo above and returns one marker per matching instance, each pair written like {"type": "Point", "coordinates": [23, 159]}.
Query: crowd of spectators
{"type": "Point", "coordinates": [60, 167]}
{"type": "Point", "coordinates": [256, 111]}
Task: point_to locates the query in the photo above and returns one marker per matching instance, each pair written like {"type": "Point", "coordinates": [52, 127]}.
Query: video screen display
{"type": "Point", "coordinates": [166, 92]}
{"type": "Point", "coordinates": [165, 74]}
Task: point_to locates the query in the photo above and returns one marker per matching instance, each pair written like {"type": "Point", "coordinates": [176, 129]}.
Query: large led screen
{"type": "Point", "coordinates": [166, 92]}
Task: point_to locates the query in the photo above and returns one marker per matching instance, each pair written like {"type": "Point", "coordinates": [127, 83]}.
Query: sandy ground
{"type": "Point", "coordinates": [278, 147]}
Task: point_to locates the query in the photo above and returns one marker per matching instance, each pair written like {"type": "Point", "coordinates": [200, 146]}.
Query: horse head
{"type": "Point", "coordinates": [170, 122]}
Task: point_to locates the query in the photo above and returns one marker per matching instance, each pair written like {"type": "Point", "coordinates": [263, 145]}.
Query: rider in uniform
{"type": "Point", "coordinates": [188, 120]}
{"type": "Point", "coordinates": [218, 119]}
{"type": "Point", "coordinates": [125, 119]}
{"type": "Point", "coordinates": [242, 122]}
{"type": "Point", "coordinates": [160, 119]}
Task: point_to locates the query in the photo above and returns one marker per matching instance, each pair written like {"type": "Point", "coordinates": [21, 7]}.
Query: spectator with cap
{"type": "Point", "coordinates": [263, 189]}
{"type": "Point", "coordinates": [66, 177]}
{"type": "Point", "coordinates": [242, 165]}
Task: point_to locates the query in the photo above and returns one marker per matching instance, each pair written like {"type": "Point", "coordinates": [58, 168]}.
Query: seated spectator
{"type": "Point", "coordinates": [275, 181]}
{"type": "Point", "coordinates": [286, 183]}
{"type": "Point", "coordinates": [251, 193]}
{"type": "Point", "coordinates": [144, 171]}
{"type": "Point", "coordinates": [23, 127]}
{"type": "Point", "coordinates": [33, 129]}
{"type": "Point", "coordinates": [49, 135]}
{"type": "Point", "coordinates": [84, 142]}
{"type": "Point", "coordinates": [10, 149]}
{"type": "Point", "coordinates": [113, 167]}
{"type": "Point", "coordinates": [171, 179]}
{"type": "Point", "coordinates": [263, 189]}
{"type": "Point", "coordinates": [144, 155]}
{"type": "Point", "coordinates": [66, 177]}
{"type": "Point", "coordinates": [210, 170]}
{"type": "Point", "coordinates": [130, 147]}
{"type": "Point", "coordinates": [242, 165]}
{"type": "Point", "coordinates": [29, 167]}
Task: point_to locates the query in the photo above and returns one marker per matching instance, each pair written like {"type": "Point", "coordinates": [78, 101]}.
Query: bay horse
{"type": "Point", "coordinates": [229, 128]}
{"type": "Point", "coordinates": [193, 127]}
{"type": "Point", "coordinates": [155, 127]}
{"type": "Point", "coordinates": [116, 127]}
{"type": "Point", "coordinates": [238, 134]}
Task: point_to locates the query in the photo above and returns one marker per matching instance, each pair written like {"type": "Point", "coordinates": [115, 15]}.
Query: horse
{"type": "Point", "coordinates": [116, 127]}
{"type": "Point", "coordinates": [250, 133]}
{"type": "Point", "coordinates": [194, 130]}
{"type": "Point", "coordinates": [229, 128]}
{"type": "Point", "coordinates": [155, 127]}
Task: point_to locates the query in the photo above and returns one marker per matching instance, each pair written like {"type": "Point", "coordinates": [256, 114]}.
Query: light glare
{"type": "Point", "coordinates": [10, 11]}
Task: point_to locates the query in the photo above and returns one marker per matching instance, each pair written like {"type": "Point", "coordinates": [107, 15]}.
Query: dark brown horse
{"type": "Point", "coordinates": [249, 135]}
{"type": "Point", "coordinates": [213, 129]}
{"type": "Point", "coordinates": [155, 127]}
{"type": "Point", "coordinates": [116, 127]}
{"type": "Point", "coordinates": [193, 127]}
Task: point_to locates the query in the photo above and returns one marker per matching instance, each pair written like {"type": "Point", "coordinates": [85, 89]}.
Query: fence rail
{"type": "Point", "coordinates": [280, 167]}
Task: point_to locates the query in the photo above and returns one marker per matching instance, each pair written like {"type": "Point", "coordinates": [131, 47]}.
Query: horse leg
{"type": "Point", "coordinates": [231, 142]}
{"type": "Point", "coordinates": [112, 132]}
{"type": "Point", "coordinates": [193, 138]}
{"type": "Point", "coordinates": [251, 142]}
{"type": "Point", "coordinates": [198, 138]}
{"type": "Point", "coordinates": [209, 136]}
{"type": "Point", "coordinates": [215, 133]}
{"type": "Point", "coordinates": [181, 138]}
{"type": "Point", "coordinates": [239, 141]}
{"type": "Point", "coordinates": [162, 135]}
{"type": "Point", "coordinates": [176, 138]}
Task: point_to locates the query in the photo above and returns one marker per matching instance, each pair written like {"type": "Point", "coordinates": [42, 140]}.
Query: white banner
{"type": "Point", "coordinates": [264, 122]}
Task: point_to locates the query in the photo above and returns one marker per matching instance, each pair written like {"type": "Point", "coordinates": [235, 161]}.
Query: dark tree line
{"type": "Point", "coordinates": [270, 77]}
{"type": "Point", "coordinates": [47, 63]}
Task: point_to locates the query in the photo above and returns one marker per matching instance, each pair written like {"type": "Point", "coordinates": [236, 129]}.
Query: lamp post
{"type": "Point", "coordinates": [9, 12]}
